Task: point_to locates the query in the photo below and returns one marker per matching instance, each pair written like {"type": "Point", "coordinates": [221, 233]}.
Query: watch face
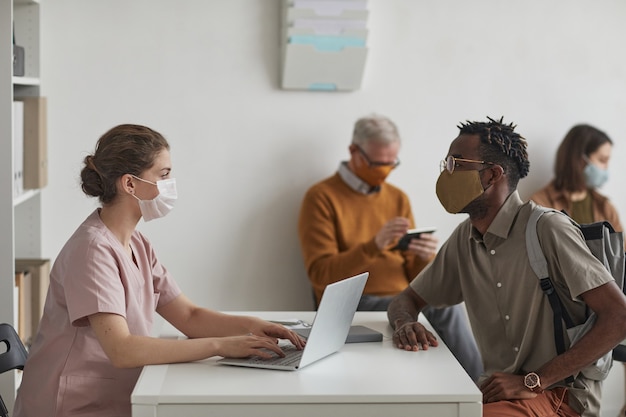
{"type": "Point", "coordinates": [531, 380]}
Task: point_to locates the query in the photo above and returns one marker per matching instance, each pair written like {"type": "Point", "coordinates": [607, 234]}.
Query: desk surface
{"type": "Point", "coordinates": [357, 379]}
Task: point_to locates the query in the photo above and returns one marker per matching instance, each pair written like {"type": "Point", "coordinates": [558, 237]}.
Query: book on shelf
{"type": "Point", "coordinates": [35, 144]}
{"type": "Point", "coordinates": [32, 278]}
{"type": "Point", "coordinates": [18, 148]}
{"type": "Point", "coordinates": [23, 283]}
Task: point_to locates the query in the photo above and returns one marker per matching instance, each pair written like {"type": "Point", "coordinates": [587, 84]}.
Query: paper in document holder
{"type": "Point", "coordinates": [327, 8]}
{"type": "Point", "coordinates": [317, 9]}
{"type": "Point", "coordinates": [305, 67]}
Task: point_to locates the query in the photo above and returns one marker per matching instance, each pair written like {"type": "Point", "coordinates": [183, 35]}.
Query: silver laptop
{"type": "Point", "coordinates": [328, 330]}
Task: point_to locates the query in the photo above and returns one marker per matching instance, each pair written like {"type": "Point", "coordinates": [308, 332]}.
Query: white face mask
{"type": "Point", "coordinates": [160, 205]}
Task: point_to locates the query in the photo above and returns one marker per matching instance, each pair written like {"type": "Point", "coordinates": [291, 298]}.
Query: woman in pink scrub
{"type": "Point", "coordinates": [107, 282]}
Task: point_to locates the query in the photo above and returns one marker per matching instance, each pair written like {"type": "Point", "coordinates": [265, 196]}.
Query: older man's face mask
{"type": "Point", "coordinates": [374, 176]}
{"type": "Point", "coordinates": [374, 173]}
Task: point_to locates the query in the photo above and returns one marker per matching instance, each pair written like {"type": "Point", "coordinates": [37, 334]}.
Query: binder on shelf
{"type": "Point", "coordinates": [38, 272]}
{"type": "Point", "coordinates": [23, 283]}
{"type": "Point", "coordinates": [35, 142]}
{"type": "Point", "coordinates": [18, 148]}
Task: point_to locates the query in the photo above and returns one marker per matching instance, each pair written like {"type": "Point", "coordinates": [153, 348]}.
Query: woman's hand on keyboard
{"type": "Point", "coordinates": [276, 331]}
{"type": "Point", "coordinates": [248, 345]}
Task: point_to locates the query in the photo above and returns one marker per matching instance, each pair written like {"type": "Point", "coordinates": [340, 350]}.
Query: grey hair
{"type": "Point", "coordinates": [375, 128]}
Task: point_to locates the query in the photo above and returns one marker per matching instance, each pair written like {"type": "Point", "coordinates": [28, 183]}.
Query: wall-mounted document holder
{"type": "Point", "coordinates": [323, 44]}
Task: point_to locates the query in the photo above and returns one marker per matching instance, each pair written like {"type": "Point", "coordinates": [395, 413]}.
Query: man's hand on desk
{"type": "Point", "coordinates": [413, 336]}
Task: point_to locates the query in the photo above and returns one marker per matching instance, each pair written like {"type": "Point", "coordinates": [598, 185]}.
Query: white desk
{"type": "Point", "coordinates": [362, 379]}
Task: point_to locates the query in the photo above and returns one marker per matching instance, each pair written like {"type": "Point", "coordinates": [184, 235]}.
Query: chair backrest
{"type": "Point", "coordinates": [15, 355]}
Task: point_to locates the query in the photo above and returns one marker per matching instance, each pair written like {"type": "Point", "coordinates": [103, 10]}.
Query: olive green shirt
{"type": "Point", "coordinates": [582, 210]}
{"type": "Point", "coordinates": [510, 316]}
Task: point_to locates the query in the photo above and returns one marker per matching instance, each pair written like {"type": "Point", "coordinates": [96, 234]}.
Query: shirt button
{"type": "Point", "coordinates": [499, 284]}
{"type": "Point", "coordinates": [516, 349]}
{"type": "Point", "coordinates": [507, 317]}
{"type": "Point", "coordinates": [493, 252]}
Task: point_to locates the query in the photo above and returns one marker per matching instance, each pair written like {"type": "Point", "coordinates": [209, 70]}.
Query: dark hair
{"type": "Point", "coordinates": [125, 149]}
{"type": "Point", "coordinates": [501, 145]}
{"type": "Point", "coordinates": [581, 140]}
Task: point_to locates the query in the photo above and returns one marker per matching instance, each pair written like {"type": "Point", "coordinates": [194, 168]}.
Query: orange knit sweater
{"type": "Point", "coordinates": [337, 226]}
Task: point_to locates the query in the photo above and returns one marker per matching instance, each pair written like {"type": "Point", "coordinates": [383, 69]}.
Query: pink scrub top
{"type": "Point", "coordinates": [67, 372]}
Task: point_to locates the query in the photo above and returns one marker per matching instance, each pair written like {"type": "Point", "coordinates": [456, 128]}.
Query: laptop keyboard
{"type": "Point", "coordinates": [292, 357]}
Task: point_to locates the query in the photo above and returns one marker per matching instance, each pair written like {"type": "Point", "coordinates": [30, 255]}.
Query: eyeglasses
{"type": "Point", "coordinates": [378, 164]}
{"type": "Point", "coordinates": [451, 162]}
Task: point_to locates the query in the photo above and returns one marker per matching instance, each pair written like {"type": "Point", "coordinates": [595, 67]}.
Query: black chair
{"type": "Point", "coordinates": [13, 358]}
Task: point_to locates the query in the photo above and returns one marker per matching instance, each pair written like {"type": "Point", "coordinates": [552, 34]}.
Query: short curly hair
{"type": "Point", "coordinates": [501, 145]}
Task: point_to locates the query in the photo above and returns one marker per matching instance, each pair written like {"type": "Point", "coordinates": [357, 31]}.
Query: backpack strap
{"type": "Point", "coordinates": [540, 266]}
{"type": "Point", "coordinates": [535, 253]}
{"type": "Point", "coordinates": [605, 245]}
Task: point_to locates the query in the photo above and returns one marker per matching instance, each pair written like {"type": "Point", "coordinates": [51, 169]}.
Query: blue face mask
{"type": "Point", "coordinates": [594, 176]}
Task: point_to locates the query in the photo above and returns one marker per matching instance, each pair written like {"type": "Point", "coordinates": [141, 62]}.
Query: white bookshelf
{"type": "Point", "coordinates": [25, 81]}
{"type": "Point", "coordinates": [20, 217]}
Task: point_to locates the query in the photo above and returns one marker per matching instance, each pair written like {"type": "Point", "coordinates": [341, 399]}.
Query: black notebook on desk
{"type": "Point", "coordinates": [357, 334]}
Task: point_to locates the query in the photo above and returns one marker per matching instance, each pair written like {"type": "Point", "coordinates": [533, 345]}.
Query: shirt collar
{"type": "Point", "coordinates": [354, 182]}
{"type": "Point", "coordinates": [503, 222]}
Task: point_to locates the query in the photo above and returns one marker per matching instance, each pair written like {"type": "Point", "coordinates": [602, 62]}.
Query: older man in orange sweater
{"type": "Point", "coordinates": [350, 223]}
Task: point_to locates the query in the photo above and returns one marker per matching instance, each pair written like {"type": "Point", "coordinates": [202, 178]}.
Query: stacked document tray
{"type": "Point", "coordinates": [324, 44]}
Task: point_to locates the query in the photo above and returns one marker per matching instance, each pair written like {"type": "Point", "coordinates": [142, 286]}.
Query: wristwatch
{"type": "Point", "coordinates": [532, 381]}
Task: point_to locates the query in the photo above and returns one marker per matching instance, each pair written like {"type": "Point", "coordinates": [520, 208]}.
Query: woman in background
{"type": "Point", "coordinates": [581, 167]}
{"type": "Point", "coordinates": [105, 285]}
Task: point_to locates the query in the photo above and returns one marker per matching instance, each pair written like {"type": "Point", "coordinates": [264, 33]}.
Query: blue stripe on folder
{"type": "Point", "coordinates": [327, 43]}
{"type": "Point", "coordinates": [322, 87]}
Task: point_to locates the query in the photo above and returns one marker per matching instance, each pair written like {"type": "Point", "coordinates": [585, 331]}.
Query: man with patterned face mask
{"type": "Point", "coordinates": [485, 264]}
{"type": "Point", "coordinates": [350, 223]}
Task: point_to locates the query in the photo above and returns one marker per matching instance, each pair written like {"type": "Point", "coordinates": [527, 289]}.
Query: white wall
{"type": "Point", "coordinates": [205, 74]}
